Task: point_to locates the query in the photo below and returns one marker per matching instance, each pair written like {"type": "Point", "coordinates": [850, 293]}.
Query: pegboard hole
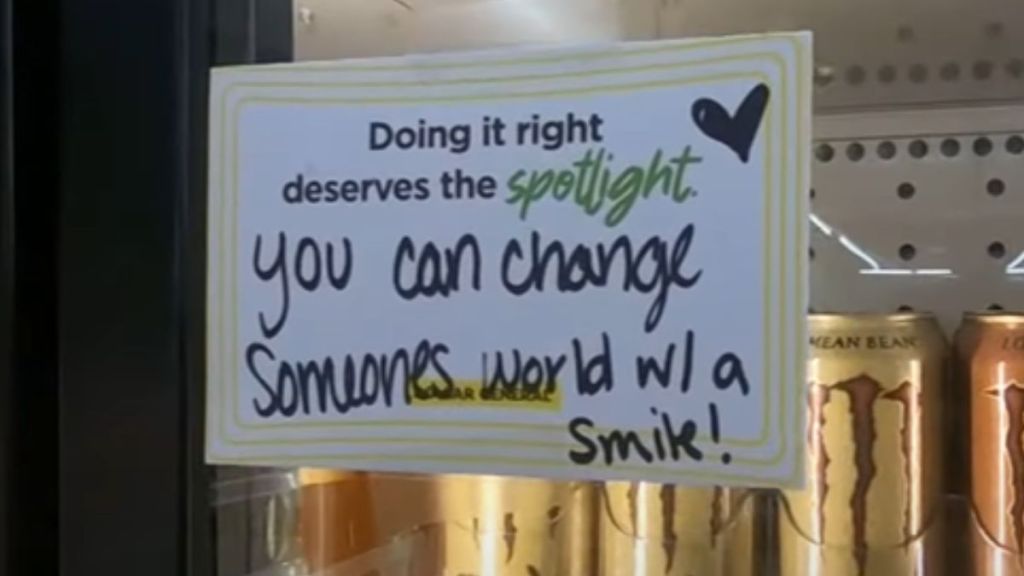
{"type": "Point", "coordinates": [995, 187]}
{"type": "Point", "coordinates": [813, 193]}
{"type": "Point", "coordinates": [997, 250]}
{"type": "Point", "coordinates": [918, 73]}
{"type": "Point", "coordinates": [810, 253]}
{"type": "Point", "coordinates": [918, 149]}
{"type": "Point", "coordinates": [994, 29]}
{"type": "Point", "coordinates": [886, 150]}
{"type": "Point", "coordinates": [905, 34]}
{"type": "Point", "coordinates": [982, 146]}
{"type": "Point", "coordinates": [982, 70]}
{"type": "Point", "coordinates": [855, 152]}
{"type": "Point", "coordinates": [1015, 68]}
{"type": "Point", "coordinates": [906, 191]}
{"type": "Point", "coordinates": [950, 148]}
{"type": "Point", "coordinates": [950, 72]}
{"type": "Point", "coordinates": [1015, 145]}
{"type": "Point", "coordinates": [887, 74]}
{"type": "Point", "coordinates": [825, 153]}
{"type": "Point", "coordinates": [855, 75]}
{"type": "Point", "coordinates": [907, 252]}
{"type": "Point", "coordinates": [995, 307]}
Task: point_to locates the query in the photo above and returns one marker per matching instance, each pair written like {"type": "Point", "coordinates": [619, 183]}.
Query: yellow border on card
{"type": "Point", "coordinates": [231, 303]}
{"type": "Point", "coordinates": [228, 306]}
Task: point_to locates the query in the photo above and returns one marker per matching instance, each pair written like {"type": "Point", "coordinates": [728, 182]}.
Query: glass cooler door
{"type": "Point", "coordinates": [917, 201]}
{"type": "Point", "coordinates": [918, 188]}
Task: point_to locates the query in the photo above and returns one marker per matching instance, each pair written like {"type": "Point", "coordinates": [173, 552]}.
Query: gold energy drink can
{"type": "Point", "coordinates": [335, 518]}
{"type": "Point", "coordinates": [991, 348]}
{"type": "Point", "coordinates": [651, 529]}
{"type": "Point", "coordinates": [873, 501]}
{"type": "Point", "coordinates": [490, 525]}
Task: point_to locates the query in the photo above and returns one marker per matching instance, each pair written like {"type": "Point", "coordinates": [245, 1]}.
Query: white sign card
{"type": "Point", "coordinates": [574, 262]}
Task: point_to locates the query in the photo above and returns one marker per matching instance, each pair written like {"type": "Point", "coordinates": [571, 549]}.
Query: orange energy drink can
{"type": "Point", "coordinates": [873, 501]}
{"type": "Point", "coordinates": [991, 349]}
{"type": "Point", "coordinates": [651, 529]}
{"type": "Point", "coordinates": [490, 525]}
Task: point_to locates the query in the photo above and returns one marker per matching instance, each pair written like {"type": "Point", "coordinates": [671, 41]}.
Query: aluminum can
{"type": "Point", "coordinates": [652, 529]}
{"type": "Point", "coordinates": [990, 348]}
{"type": "Point", "coordinates": [488, 525]}
{"type": "Point", "coordinates": [336, 523]}
{"type": "Point", "coordinates": [875, 479]}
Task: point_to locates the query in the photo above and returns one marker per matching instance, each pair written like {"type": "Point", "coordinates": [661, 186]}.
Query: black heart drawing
{"type": "Point", "coordinates": [736, 131]}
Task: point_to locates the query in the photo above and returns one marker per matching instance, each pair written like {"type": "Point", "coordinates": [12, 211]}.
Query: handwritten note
{"type": "Point", "coordinates": [579, 263]}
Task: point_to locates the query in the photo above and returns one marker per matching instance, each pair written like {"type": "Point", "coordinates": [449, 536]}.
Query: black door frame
{"type": "Point", "coordinates": [6, 273]}
{"type": "Point", "coordinates": [132, 483]}
{"type": "Point", "coordinates": [134, 490]}
{"type": "Point", "coordinates": [29, 204]}
{"type": "Point", "coordinates": [102, 277]}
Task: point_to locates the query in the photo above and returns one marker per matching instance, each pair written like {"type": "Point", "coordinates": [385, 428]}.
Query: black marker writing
{"type": "Point", "coordinates": [729, 371]}
{"type": "Point", "coordinates": [438, 272]}
{"type": "Point", "coordinates": [310, 263]}
{"type": "Point", "coordinates": [329, 386]}
{"type": "Point", "coordinates": [649, 367]}
{"type": "Point", "coordinates": [625, 445]}
{"type": "Point", "coordinates": [654, 267]}
{"type": "Point", "coordinates": [516, 371]}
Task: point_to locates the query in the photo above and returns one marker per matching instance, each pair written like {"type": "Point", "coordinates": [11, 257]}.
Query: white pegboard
{"type": "Point", "coordinates": [881, 53]}
{"type": "Point", "coordinates": [870, 53]}
{"type": "Point", "coordinates": [921, 209]}
{"type": "Point", "coordinates": [919, 185]}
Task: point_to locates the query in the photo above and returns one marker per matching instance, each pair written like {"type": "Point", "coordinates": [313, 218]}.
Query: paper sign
{"type": "Point", "coordinates": [577, 263]}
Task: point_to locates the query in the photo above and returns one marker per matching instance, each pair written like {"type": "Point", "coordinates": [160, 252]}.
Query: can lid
{"type": "Point", "coordinates": [994, 317]}
{"type": "Point", "coordinates": [868, 318]}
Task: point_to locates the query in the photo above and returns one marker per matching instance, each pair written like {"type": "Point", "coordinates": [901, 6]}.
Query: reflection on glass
{"type": "Point", "coordinates": [872, 267]}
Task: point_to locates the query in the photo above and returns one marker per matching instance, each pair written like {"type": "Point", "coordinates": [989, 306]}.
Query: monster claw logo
{"type": "Point", "coordinates": [909, 402]}
{"type": "Point", "coordinates": [667, 495]}
{"type": "Point", "coordinates": [510, 536]}
{"type": "Point", "coordinates": [553, 517]}
{"type": "Point", "coordinates": [634, 513]}
{"type": "Point", "coordinates": [818, 397]}
{"type": "Point", "coordinates": [631, 497]}
{"type": "Point", "coordinates": [1012, 397]}
{"type": "Point", "coordinates": [863, 393]}
{"type": "Point", "coordinates": [668, 499]}
{"type": "Point", "coordinates": [668, 514]}
{"type": "Point", "coordinates": [717, 520]}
